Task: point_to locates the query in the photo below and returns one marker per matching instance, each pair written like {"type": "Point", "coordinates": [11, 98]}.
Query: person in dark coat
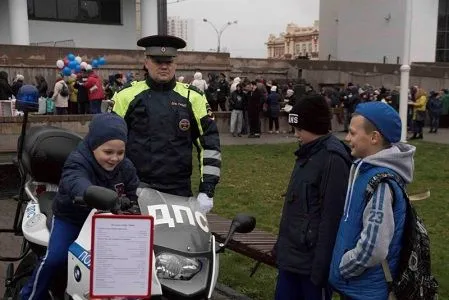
{"type": "Point", "coordinates": [313, 204]}
{"type": "Point", "coordinates": [98, 160]}
{"type": "Point", "coordinates": [82, 97]}
{"type": "Point", "coordinates": [222, 92]}
{"type": "Point", "coordinates": [41, 85]}
{"type": "Point", "coordinates": [255, 100]}
{"type": "Point", "coordinates": [17, 84]}
{"type": "Point", "coordinates": [5, 89]}
{"type": "Point", "coordinates": [274, 107]}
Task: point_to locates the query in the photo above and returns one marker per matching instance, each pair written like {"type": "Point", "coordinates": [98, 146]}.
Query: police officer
{"type": "Point", "coordinates": [165, 119]}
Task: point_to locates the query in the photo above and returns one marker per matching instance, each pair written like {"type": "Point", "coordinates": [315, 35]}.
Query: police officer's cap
{"type": "Point", "coordinates": [161, 47]}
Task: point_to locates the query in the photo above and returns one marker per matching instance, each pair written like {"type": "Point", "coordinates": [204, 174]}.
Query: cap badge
{"type": "Point", "coordinates": [163, 49]}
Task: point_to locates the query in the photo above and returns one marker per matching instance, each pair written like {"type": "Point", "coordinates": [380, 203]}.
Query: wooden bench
{"type": "Point", "coordinates": [256, 244]}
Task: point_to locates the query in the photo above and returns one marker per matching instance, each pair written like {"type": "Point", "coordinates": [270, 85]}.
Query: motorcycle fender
{"type": "Point", "coordinates": [215, 268]}
{"type": "Point", "coordinates": [34, 225]}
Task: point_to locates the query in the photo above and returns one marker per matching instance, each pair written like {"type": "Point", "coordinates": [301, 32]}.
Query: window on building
{"type": "Point", "coordinates": [297, 48]}
{"type": "Point", "coordinates": [442, 47]}
{"type": "Point", "coordinates": [83, 11]}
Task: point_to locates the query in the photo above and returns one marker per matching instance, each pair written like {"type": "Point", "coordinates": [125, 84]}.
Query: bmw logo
{"type": "Point", "coordinates": [77, 273]}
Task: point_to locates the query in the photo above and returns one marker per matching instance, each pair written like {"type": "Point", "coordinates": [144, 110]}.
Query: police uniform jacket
{"type": "Point", "coordinates": [164, 122]}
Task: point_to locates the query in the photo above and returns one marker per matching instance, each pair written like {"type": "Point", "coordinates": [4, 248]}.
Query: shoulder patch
{"type": "Point", "coordinates": [194, 88]}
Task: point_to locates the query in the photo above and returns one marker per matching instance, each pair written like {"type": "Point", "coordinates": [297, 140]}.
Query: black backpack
{"type": "Point", "coordinates": [414, 280]}
{"type": "Point", "coordinates": [64, 90]}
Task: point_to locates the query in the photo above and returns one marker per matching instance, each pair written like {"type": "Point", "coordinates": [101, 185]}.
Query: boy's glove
{"type": "Point", "coordinates": [205, 203]}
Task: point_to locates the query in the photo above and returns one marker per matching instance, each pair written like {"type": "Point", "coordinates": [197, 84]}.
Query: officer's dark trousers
{"type": "Point", "coordinates": [62, 235]}
{"type": "Point", "coordinates": [292, 286]}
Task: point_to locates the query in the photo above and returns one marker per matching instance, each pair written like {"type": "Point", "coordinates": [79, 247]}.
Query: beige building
{"type": "Point", "coordinates": [296, 42]}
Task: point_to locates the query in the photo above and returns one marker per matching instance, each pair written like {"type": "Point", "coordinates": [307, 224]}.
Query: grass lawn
{"type": "Point", "coordinates": [254, 178]}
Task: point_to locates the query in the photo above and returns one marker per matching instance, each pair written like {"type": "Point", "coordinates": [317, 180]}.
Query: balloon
{"type": "Point", "coordinates": [66, 71]}
{"type": "Point", "coordinates": [78, 59]}
{"type": "Point", "coordinates": [71, 57]}
{"type": "Point", "coordinates": [72, 64]}
{"type": "Point", "coordinates": [101, 61]}
{"type": "Point", "coordinates": [88, 67]}
{"type": "Point", "coordinates": [66, 61]}
{"type": "Point", "coordinates": [60, 63]}
{"type": "Point", "coordinates": [95, 63]}
{"type": "Point", "coordinates": [83, 65]}
{"type": "Point", "coordinates": [77, 68]}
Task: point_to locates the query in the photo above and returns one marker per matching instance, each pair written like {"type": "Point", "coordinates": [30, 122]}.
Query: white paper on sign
{"type": "Point", "coordinates": [121, 257]}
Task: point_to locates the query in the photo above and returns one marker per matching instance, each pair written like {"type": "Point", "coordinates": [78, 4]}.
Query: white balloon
{"type": "Point", "coordinates": [60, 63]}
{"type": "Point", "coordinates": [88, 67]}
{"type": "Point", "coordinates": [83, 65]}
{"type": "Point", "coordinates": [78, 59]}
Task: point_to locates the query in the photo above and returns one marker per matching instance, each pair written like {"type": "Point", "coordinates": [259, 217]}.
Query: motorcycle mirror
{"type": "Point", "coordinates": [100, 198]}
{"type": "Point", "coordinates": [242, 224]}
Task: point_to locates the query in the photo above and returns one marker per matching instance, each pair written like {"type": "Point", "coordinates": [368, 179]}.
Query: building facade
{"type": "Point", "coordinates": [183, 28]}
{"type": "Point", "coordinates": [373, 31]}
{"type": "Point", "coordinates": [295, 42]}
{"type": "Point", "coordinates": [109, 24]}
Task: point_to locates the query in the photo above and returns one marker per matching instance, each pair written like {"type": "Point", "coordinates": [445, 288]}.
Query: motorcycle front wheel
{"type": "Point", "coordinates": [15, 281]}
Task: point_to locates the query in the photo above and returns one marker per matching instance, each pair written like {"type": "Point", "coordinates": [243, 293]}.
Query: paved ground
{"type": "Point", "coordinates": [10, 245]}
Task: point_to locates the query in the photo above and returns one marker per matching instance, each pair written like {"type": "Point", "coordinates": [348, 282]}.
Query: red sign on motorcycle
{"type": "Point", "coordinates": [122, 252]}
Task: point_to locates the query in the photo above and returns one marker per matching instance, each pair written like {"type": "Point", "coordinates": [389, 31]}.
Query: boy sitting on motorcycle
{"type": "Point", "coordinates": [98, 160]}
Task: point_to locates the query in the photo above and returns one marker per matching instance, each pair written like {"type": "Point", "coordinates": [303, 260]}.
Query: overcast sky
{"type": "Point", "coordinates": [256, 20]}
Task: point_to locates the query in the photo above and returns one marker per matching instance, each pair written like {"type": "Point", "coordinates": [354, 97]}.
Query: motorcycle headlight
{"type": "Point", "coordinates": [173, 266]}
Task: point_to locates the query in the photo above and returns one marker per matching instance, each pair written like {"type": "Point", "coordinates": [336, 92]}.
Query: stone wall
{"type": "Point", "coordinates": [428, 76]}
{"type": "Point", "coordinates": [34, 60]}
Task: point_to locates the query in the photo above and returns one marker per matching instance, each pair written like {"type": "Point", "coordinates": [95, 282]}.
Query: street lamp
{"type": "Point", "coordinates": [219, 32]}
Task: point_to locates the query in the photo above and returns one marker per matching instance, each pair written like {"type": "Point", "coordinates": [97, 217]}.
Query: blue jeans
{"type": "Point", "coordinates": [95, 106]}
{"type": "Point", "coordinates": [62, 235]}
{"type": "Point", "coordinates": [292, 286]}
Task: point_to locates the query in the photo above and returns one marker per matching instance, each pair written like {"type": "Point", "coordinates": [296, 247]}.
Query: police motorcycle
{"type": "Point", "coordinates": [185, 253]}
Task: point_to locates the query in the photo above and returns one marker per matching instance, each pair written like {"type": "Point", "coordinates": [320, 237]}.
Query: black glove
{"type": "Point", "coordinates": [125, 203]}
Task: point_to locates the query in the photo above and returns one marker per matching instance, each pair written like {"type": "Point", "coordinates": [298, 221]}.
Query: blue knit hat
{"type": "Point", "coordinates": [383, 117]}
{"type": "Point", "coordinates": [105, 127]}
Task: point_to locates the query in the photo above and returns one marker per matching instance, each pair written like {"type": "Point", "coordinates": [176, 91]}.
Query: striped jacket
{"type": "Point", "coordinates": [370, 230]}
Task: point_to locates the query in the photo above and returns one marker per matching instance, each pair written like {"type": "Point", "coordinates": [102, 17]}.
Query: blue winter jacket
{"type": "Point", "coordinates": [371, 230]}
{"type": "Point", "coordinates": [80, 171]}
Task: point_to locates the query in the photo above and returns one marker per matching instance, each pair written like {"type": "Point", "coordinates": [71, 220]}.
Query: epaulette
{"type": "Point", "coordinates": [194, 88]}
{"type": "Point", "coordinates": [126, 85]}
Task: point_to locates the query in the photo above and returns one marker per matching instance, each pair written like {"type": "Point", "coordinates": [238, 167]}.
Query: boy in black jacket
{"type": "Point", "coordinates": [98, 160]}
{"type": "Point", "coordinates": [313, 204]}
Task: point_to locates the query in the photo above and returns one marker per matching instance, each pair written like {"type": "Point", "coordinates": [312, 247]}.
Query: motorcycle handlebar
{"type": "Point", "coordinates": [123, 203]}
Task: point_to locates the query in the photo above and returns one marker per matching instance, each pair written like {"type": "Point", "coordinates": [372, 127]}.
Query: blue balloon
{"type": "Point", "coordinates": [101, 61]}
{"type": "Point", "coordinates": [77, 68]}
{"type": "Point", "coordinates": [71, 57]}
{"type": "Point", "coordinates": [66, 71]}
{"type": "Point", "coordinates": [72, 64]}
{"type": "Point", "coordinates": [95, 63]}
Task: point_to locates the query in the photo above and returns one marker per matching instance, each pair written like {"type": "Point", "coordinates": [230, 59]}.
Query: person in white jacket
{"type": "Point", "coordinates": [199, 82]}
{"type": "Point", "coordinates": [59, 97]}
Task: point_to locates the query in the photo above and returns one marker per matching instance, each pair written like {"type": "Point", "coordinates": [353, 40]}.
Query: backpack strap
{"type": "Point", "coordinates": [371, 188]}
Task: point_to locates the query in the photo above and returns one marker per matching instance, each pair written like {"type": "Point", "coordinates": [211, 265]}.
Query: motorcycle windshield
{"type": "Point", "coordinates": [178, 224]}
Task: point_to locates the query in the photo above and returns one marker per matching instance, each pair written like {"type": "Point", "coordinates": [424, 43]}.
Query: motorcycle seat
{"type": "Point", "coordinates": [45, 205]}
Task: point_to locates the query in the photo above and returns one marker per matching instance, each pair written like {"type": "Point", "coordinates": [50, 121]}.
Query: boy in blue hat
{"type": "Point", "coordinates": [98, 160]}
{"type": "Point", "coordinates": [371, 230]}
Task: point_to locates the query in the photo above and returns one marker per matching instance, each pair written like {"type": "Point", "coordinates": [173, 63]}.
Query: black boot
{"type": "Point", "coordinates": [419, 137]}
{"type": "Point", "coordinates": [413, 137]}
